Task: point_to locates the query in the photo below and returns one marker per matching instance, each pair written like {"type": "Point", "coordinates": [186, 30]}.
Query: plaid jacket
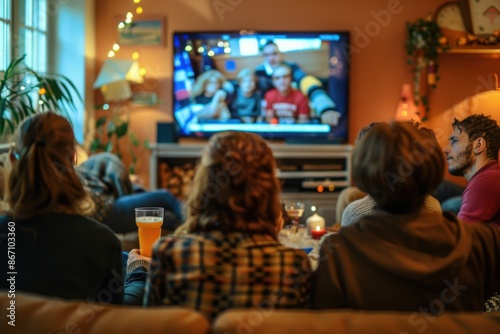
{"type": "Point", "coordinates": [212, 272]}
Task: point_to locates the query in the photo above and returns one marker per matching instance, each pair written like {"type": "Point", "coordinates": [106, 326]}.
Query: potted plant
{"type": "Point", "coordinates": [425, 42]}
{"type": "Point", "coordinates": [24, 92]}
{"type": "Point", "coordinates": [113, 135]}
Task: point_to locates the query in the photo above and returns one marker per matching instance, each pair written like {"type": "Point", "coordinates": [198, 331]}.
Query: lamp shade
{"type": "Point", "coordinates": [407, 109]}
{"type": "Point", "coordinates": [114, 70]}
{"type": "Point", "coordinates": [116, 91]}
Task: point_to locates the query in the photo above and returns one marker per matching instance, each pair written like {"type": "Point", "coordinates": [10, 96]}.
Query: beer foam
{"type": "Point", "coordinates": [148, 219]}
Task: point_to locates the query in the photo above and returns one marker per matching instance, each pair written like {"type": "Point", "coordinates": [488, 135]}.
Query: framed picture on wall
{"type": "Point", "coordinates": [144, 31]}
{"type": "Point", "coordinates": [482, 17]}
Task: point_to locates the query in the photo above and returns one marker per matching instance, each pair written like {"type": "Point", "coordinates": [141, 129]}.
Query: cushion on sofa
{"type": "Point", "coordinates": [269, 320]}
{"type": "Point", "coordinates": [37, 314]}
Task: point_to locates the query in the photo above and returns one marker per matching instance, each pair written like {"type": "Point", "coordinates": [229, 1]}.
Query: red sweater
{"type": "Point", "coordinates": [289, 106]}
{"type": "Point", "coordinates": [481, 197]}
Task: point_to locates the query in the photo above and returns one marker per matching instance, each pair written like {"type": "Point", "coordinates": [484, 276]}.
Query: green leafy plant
{"type": "Point", "coordinates": [113, 135]}
{"type": "Point", "coordinates": [24, 92]}
{"type": "Point", "coordinates": [424, 44]}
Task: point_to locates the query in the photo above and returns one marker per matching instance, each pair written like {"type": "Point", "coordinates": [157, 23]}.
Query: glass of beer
{"type": "Point", "coordinates": [149, 221]}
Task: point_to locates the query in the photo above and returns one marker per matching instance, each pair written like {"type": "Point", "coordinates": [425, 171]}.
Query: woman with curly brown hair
{"type": "Point", "coordinates": [229, 255]}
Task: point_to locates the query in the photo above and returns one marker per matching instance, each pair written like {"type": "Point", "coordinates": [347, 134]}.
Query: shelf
{"type": "Point", "coordinates": [318, 164]}
{"type": "Point", "coordinates": [313, 174]}
{"type": "Point", "coordinates": [301, 174]}
{"type": "Point", "coordinates": [490, 52]}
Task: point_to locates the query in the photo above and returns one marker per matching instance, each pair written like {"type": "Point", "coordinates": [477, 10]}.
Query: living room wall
{"type": "Point", "coordinates": [378, 67]}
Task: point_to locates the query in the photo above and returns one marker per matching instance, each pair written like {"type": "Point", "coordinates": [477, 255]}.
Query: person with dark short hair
{"type": "Point", "coordinates": [399, 257]}
{"type": "Point", "coordinates": [355, 210]}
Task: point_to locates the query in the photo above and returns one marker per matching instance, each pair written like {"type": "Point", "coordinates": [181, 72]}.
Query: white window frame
{"type": "Point", "coordinates": [27, 33]}
{"type": "Point", "coordinates": [5, 33]}
{"type": "Point", "coordinates": [64, 54]}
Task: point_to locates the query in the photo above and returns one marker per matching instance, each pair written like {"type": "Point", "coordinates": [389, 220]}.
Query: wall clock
{"type": "Point", "coordinates": [449, 16]}
{"type": "Point", "coordinates": [482, 17]}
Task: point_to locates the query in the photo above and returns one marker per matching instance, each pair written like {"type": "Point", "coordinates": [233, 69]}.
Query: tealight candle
{"type": "Point", "coordinates": [317, 232]}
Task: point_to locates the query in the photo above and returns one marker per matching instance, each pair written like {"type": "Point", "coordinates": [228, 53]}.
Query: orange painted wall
{"type": "Point", "coordinates": [378, 67]}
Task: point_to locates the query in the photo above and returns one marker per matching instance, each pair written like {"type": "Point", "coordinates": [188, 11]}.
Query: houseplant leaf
{"type": "Point", "coordinates": [19, 97]}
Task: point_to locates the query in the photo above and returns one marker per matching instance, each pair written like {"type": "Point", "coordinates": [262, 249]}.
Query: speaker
{"type": "Point", "coordinates": [166, 132]}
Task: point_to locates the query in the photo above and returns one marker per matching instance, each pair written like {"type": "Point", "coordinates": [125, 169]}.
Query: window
{"type": "Point", "coordinates": [23, 30]}
{"type": "Point", "coordinates": [32, 32]}
{"type": "Point", "coordinates": [39, 29]}
{"type": "Point", "coordinates": [5, 33]}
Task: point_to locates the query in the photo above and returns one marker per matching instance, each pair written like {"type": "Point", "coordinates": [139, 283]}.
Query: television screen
{"type": "Point", "coordinates": [280, 85]}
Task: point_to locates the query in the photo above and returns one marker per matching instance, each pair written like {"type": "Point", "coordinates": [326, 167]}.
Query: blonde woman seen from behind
{"type": "Point", "coordinates": [208, 91]}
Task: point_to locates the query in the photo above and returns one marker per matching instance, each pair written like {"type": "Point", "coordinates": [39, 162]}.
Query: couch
{"type": "Point", "coordinates": [36, 314]}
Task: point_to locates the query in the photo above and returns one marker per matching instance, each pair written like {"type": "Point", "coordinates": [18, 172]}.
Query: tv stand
{"type": "Point", "coordinates": [313, 141]}
{"type": "Point", "coordinates": [313, 174]}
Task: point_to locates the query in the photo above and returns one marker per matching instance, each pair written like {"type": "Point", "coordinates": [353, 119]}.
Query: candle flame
{"type": "Point", "coordinates": [318, 228]}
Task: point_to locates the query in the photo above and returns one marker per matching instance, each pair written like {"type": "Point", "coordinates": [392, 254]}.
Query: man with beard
{"type": "Point", "coordinates": [472, 152]}
{"type": "Point", "coordinates": [400, 257]}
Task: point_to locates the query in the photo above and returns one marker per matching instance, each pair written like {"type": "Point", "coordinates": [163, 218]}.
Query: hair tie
{"type": "Point", "coordinates": [40, 142]}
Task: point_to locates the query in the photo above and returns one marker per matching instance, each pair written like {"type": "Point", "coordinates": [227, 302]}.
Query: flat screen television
{"type": "Point", "coordinates": [280, 85]}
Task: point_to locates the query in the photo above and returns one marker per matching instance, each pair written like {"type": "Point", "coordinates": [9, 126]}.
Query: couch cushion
{"type": "Point", "coordinates": [37, 314]}
{"type": "Point", "coordinates": [269, 320]}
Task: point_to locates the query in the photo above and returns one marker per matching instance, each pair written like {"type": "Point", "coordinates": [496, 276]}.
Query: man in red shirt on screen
{"type": "Point", "coordinates": [285, 104]}
{"type": "Point", "coordinates": [472, 152]}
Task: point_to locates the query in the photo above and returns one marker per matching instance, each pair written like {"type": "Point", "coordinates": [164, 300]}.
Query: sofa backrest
{"type": "Point", "coordinates": [36, 314]}
{"type": "Point", "coordinates": [264, 321]}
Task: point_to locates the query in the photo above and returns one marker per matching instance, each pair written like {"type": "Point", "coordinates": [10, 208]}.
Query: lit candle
{"type": "Point", "coordinates": [318, 232]}
{"type": "Point", "coordinates": [316, 223]}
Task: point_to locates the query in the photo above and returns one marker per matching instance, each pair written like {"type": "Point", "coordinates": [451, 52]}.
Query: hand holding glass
{"type": "Point", "coordinates": [149, 221]}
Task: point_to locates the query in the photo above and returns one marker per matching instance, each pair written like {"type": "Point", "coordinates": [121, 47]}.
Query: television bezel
{"type": "Point", "coordinates": [294, 137]}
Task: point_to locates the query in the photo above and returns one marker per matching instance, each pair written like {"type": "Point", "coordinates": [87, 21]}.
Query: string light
{"type": "Point", "coordinates": [122, 25]}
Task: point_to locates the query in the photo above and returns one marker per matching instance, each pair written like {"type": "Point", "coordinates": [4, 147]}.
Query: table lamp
{"type": "Point", "coordinates": [114, 82]}
{"type": "Point", "coordinates": [407, 109]}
